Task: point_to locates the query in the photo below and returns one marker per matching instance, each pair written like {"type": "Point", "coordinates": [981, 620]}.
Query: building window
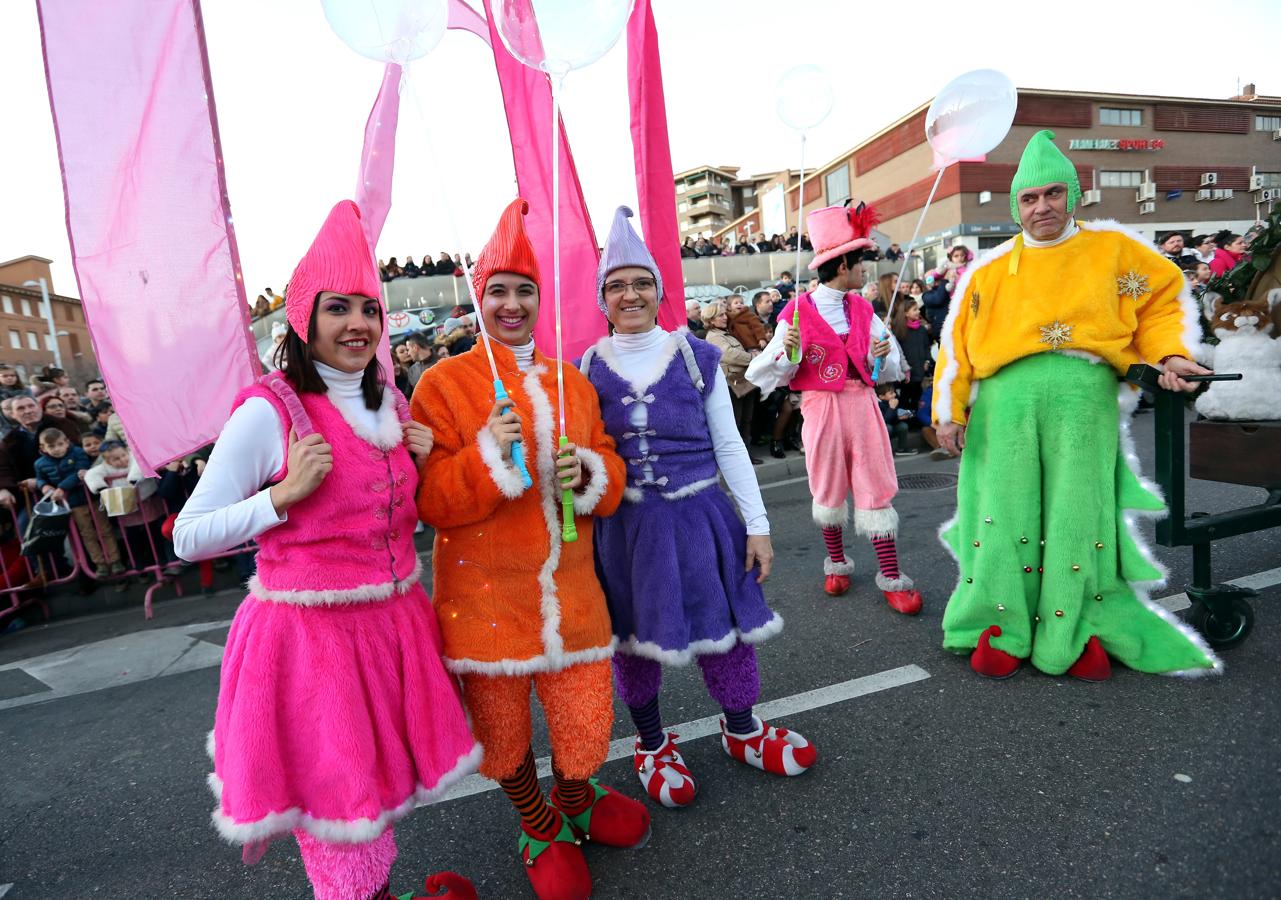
{"type": "Point", "coordinates": [48, 342]}
{"type": "Point", "coordinates": [1120, 179]}
{"type": "Point", "coordinates": [26, 307]}
{"type": "Point", "coordinates": [1109, 116]}
{"type": "Point", "coordinates": [33, 340]}
{"type": "Point", "coordinates": [1270, 179]}
{"type": "Point", "coordinates": [15, 339]}
{"type": "Point", "coordinates": [8, 304]}
{"type": "Point", "coordinates": [837, 184]}
{"type": "Point", "coordinates": [1267, 123]}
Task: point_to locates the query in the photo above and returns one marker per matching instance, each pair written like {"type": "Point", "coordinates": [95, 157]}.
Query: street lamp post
{"type": "Point", "coordinates": [48, 317]}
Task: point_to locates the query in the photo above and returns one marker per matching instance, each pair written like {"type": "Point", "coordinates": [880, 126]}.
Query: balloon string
{"type": "Point", "coordinates": [407, 83]}
{"type": "Point", "coordinates": [911, 245]}
{"type": "Point", "coordinates": [800, 216]}
{"type": "Point", "coordinates": [557, 81]}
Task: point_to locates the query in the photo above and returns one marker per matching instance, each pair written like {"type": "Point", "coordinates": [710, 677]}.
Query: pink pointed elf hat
{"type": "Point", "coordinates": [836, 230]}
{"type": "Point", "coordinates": [338, 260]}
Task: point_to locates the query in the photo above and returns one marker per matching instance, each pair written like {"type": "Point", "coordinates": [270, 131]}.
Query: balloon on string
{"type": "Point", "coordinates": [804, 97]}
{"type": "Point", "coordinates": [389, 31]}
{"type": "Point", "coordinates": [557, 36]}
{"type": "Point", "coordinates": [971, 115]}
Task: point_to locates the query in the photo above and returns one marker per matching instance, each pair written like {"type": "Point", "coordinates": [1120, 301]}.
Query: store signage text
{"type": "Point", "coordinates": [1116, 144]}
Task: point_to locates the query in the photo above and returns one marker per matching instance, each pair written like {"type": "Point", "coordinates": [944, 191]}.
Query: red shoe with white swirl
{"type": "Point", "coordinates": [770, 749]}
{"type": "Point", "coordinates": [663, 773]}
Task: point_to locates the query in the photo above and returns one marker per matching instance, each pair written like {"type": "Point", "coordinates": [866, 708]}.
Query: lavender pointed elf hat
{"type": "Point", "coordinates": [623, 248]}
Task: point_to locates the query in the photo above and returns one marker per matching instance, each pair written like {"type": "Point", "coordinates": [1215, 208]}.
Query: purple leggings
{"type": "Point", "coordinates": [732, 678]}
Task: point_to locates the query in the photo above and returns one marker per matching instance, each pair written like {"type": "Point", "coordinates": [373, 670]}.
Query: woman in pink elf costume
{"type": "Point", "coordinates": [335, 715]}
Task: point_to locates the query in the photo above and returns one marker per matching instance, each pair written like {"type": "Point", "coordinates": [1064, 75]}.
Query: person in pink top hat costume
{"type": "Point", "coordinates": [335, 714]}
{"type": "Point", "coordinates": [847, 449]}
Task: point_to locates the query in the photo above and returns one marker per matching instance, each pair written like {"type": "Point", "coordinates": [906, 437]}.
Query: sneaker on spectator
{"type": "Point", "coordinates": [116, 568]}
{"type": "Point", "coordinates": [173, 569]}
{"type": "Point", "coordinates": [906, 452]}
{"type": "Point", "coordinates": [939, 453]}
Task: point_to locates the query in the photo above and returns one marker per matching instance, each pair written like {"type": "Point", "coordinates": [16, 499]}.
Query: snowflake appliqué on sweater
{"type": "Point", "coordinates": [1056, 334]}
{"type": "Point", "coordinates": [1132, 285]}
{"type": "Point", "coordinates": [974, 303]}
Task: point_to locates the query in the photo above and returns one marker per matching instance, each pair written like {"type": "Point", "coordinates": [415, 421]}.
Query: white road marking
{"type": "Point", "coordinates": [705, 727]}
{"type": "Point", "coordinates": [774, 484]}
{"type": "Point", "coordinates": [1258, 581]}
{"type": "Point", "coordinates": [4, 889]}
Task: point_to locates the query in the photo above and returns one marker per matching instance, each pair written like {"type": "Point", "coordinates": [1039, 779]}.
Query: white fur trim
{"type": "Point", "coordinates": [338, 831]}
{"type": "Point", "coordinates": [707, 647]}
{"type": "Point", "coordinates": [902, 583]}
{"type": "Point", "coordinates": [690, 490]}
{"type": "Point", "coordinates": [505, 476]}
{"type": "Point", "coordinates": [366, 593]}
{"type": "Point", "coordinates": [549, 491]}
{"type": "Point", "coordinates": [209, 744]}
{"type": "Point", "coordinates": [545, 663]}
{"type": "Point", "coordinates": [829, 516]}
{"type": "Point", "coordinates": [1081, 354]}
{"type": "Point", "coordinates": [595, 480]}
{"type": "Point", "coordinates": [943, 384]}
{"type": "Point", "coordinates": [835, 568]}
{"type": "Point", "coordinates": [1128, 399]}
{"type": "Point", "coordinates": [876, 523]}
{"type": "Point", "coordinates": [1191, 314]}
{"type": "Point", "coordinates": [389, 434]}
{"type": "Point", "coordinates": [645, 378]}
{"type": "Point", "coordinates": [633, 494]}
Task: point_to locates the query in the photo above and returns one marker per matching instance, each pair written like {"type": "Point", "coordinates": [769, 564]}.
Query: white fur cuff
{"type": "Point", "coordinates": [504, 474]}
{"type": "Point", "coordinates": [595, 480]}
{"type": "Point", "coordinates": [835, 568]}
{"type": "Point", "coordinates": [827, 516]}
{"type": "Point", "coordinates": [902, 583]}
{"type": "Point", "coordinates": [876, 523]}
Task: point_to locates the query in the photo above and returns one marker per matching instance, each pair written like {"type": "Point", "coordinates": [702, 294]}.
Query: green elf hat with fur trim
{"type": "Point", "coordinates": [1044, 163]}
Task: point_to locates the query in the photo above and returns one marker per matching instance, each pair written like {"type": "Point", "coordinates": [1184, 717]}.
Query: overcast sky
{"type": "Point", "coordinates": [283, 80]}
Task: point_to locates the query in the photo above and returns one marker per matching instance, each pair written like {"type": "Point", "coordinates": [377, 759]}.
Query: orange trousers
{"type": "Point", "coordinates": [577, 703]}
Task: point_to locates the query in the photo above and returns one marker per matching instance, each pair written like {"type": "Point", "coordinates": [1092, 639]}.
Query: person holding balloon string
{"type": "Point", "coordinates": [826, 345]}
{"type": "Point", "coordinates": [682, 574]}
{"type": "Point", "coordinates": [519, 606]}
{"type": "Point", "coordinates": [336, 715]}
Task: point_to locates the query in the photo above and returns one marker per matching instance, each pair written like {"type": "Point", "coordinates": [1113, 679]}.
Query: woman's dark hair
{"type": "Point", "coordinates": [51, 398]}
{"type": "Point", "coordinates": [827, 270]}
{"type": "Point", "coordinates": [52, 372]}
{"type": "Point", "coordinates": [1225, 237]}
{"type": "Point", "coordinates": [294, 358]}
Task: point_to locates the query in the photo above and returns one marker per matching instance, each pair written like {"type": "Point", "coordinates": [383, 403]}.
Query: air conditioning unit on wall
{"type": "Point", "coordinates": [1204, 194]}
{"type": "Point", "coordinates": [1209, 178]}
{"type": "Point", "coordinates": [1268, 195]}
{"type": "Point", "coordinates": [1225, 194]}
{"type": "Point", "coordinates": [1146, 191]}
{"type": "Point", "coordinates": [1147, 208]}
{"type": "Point", "coordinates": [1089, 198]}
{"type": "Point", "coordinates": [1276, 135]}
{"type": "Point", "coordinates": [1258, 182]}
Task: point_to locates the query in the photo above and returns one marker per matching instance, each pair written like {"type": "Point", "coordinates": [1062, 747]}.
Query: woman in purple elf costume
{"type": "Point", "coordinates": [682, 574]}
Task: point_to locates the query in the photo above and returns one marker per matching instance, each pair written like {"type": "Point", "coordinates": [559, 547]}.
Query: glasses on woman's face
{"type": "Point", "coordinates": [54, 408]}
{"type": "Point", "coordinates": [640, 285]}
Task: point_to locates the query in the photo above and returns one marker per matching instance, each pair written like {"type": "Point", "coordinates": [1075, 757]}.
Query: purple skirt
{"type": "Point", "coordinates": [673, 576]}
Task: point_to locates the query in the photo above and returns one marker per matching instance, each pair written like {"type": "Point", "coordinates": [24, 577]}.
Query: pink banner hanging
{"type": "Point", "coordinates": [148, 216]}
{"type": "Point", "coordinates": [655, 187]}
{"type": "Point", "coordinates": [527, 96]}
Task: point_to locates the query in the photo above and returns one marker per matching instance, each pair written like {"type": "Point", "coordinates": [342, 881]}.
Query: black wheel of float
{"type": "Point", "coordinates": [1225, 629]}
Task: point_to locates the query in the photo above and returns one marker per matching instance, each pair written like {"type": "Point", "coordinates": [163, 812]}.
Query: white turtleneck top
{"type": "Point", "coordinates": [1069, 231]}
{"type": "Point", "coordinates": [637, 357]}
{"type": "Point", "coordinates": [230, 505]}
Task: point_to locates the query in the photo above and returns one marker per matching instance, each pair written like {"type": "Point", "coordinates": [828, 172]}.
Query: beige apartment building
{"type": "Point", "coordinates": [1155, 163]}
{"type": "Point", "coordinates": [25, 341]}
{"type": "Point", "coordinates": [709, 199]}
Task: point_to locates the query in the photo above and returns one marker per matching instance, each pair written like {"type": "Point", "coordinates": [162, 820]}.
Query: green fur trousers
{"type": "Point", "coordinates": [1040, 533]}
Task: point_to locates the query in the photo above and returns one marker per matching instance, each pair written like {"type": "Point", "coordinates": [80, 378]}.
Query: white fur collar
{"type": "Point", "coordinates": [388, 433]}
{"type": "Point", "coordinates": [649, 366]}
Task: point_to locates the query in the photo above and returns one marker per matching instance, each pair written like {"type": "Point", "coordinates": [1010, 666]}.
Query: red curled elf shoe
{"type": "Point", "coordinates": [990, 662]}
{"type": "Point", "coordinates": [454, 885]}
{"type": "Point", "coordinates": [900, 594]}
{"type": "Point", "coordinates": [663, 773]}
{"type": "Point", "coordinates": [836, 577]}
{"type": "Point", "coordinates": [610, 819]}
{"type": "Point", "coordinates": [1092, 664]}
{"type": "Point", "coordinates": [554, 862]}
{"type": "Point", "coordinates": [770, 749]}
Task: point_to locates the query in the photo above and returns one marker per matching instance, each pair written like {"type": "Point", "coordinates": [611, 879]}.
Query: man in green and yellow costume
{"type": "Point", "coordinates": [1052, 567]}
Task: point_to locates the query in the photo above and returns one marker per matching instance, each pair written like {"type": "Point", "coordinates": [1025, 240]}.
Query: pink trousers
{"type": "Point", "coordinates": [847, 451]}
{"type": "Point", "coordinates": [347, 871]}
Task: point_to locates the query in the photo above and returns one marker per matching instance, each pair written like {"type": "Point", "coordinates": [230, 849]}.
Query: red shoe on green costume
{"type": "Point", "coordinates": [1093, 664]}
{"type": "Point", "coordinates": [987, 660]}
{"type": "Point", "coordinates": [454, 885]}
{"type": "Point", "coordinates": [554, 862]}
{"type": "Point", "coordinates": [611, 819]}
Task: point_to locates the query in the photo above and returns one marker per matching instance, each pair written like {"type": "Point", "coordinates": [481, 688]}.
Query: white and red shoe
{"type": "Point", "coordinates": [836, 576]}
{"type": "Point", "coordinates": [900, 594]}
{"type": "Point", "coordinates": [663, 773]}
{"type": "Point", "coordinates": [770, 749]}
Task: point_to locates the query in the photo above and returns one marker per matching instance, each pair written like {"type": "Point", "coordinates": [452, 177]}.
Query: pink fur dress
{"type": "Point", "coordinates": [335, 714]}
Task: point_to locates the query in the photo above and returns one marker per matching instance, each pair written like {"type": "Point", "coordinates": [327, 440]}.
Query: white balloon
{"type": "Point", "coordinates": [398, 31]}
{"type": "Point", "coordinates": [804, 97]}
{"type": "Point", "coordinates": [557, 36]}
{"type": "Point", "coordinates": [971, 115]}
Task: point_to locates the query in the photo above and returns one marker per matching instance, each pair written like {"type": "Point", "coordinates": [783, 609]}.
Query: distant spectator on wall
{"type": "Point", "coordinates": [894, 253]}
{"type": "Point", "coordinates": [411, 268]}
{"type": "Point", "coordinates": [275, 300]}
{"type": "Point", "coordinates": [262, 306]}
{"type": "Point", "coordinates": [762, 245]}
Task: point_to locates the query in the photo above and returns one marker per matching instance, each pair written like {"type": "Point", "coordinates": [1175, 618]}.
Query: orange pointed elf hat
{"type": "Point", "coordinates": [508, 250]}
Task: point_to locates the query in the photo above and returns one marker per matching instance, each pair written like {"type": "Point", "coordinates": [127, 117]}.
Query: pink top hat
{"type": "Point", "coordinates": [836, 230]}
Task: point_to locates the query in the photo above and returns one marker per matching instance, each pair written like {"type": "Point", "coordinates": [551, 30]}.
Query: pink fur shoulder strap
{"type": "Point", "coordinates": [284, 391]}
{"type": "Point", "coordinates": [402, 405]}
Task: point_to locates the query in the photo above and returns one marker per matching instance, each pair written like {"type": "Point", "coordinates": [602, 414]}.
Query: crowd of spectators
{"type": "Point", "coordinates": [693, 247]}
{"type": "Point", "coordinates": [444, 264]}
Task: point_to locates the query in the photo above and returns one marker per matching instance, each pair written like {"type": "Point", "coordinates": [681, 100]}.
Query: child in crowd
{"type": "Point", "coordinates": [895, 418]}
{"type": "Point", "coordinates": [923, 413]}
{"type": "Point", "coordinates": [142, 527]}
{"type": "Point", "coordinates": [58, 476]}
{"type": "Point", "coordinates": [91, 444]}
{"type": "Point", "coordinates": [102, 420]}
{"type": "Point", "coordinates": [915, 341]}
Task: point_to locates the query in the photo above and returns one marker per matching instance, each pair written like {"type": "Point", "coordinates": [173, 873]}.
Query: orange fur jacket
{"type": "Point", "coordinates": [511, 597]}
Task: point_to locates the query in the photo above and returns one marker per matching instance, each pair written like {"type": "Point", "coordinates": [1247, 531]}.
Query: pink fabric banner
{"type": "Point", "coordinates": [148, 216]}
{"type": "Point", "coordinates": [527, 96]}
{"type": "Point", "coordinates": [655, 187]}
{"type": "Point", "coordinates": [373, 185]}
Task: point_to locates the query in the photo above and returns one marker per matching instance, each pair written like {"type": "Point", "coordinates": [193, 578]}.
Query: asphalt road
{"type": "Point", "coordinates": [950, 786]}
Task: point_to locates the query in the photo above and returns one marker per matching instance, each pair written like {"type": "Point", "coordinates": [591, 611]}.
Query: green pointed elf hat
{"type": "Point", "coordinates": [1044, 163]}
